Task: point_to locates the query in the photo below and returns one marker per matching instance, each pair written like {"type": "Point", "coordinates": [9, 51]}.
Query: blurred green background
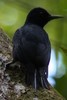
{"type": "Point", "coordinates": [13, 15]}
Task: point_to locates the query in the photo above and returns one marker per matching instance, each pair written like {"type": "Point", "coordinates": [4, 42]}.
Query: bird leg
{"type": "Point", "coordinates": [12, 64]}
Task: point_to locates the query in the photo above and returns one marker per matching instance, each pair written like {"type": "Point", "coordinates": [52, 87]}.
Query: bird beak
{"type": "Point", "coordinates": [56, 17]}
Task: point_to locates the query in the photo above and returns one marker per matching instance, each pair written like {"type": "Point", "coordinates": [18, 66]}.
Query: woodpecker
{"type": "Point", "coordinates": [31, 47]}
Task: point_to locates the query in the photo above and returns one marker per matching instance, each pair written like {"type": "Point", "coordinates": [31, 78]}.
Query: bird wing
{"type": "Point", "coordinates": [32, 42]}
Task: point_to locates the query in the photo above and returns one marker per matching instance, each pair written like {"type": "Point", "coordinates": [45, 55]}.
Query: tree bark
{"type": "Point", "coordinates": [12, 86]}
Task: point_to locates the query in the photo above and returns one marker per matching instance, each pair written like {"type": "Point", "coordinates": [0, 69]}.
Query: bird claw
{"type": "Point", "coordinates": [10, 65]}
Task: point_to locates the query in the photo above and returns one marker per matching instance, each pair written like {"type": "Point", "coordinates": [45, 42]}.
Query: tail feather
{"type": "Point", "coordinates": [37, 80]}
{"type": "Point", "coordinates": [44, 76]}
{"type": "Point", "coordinates": [32, 77]}
{"type": "Point", "coordinates": [29, 74]}
{"type": "Point", "coordinates": [36, 77]}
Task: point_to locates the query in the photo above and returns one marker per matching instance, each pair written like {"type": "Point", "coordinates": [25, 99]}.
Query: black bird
{"type": "Point", "coordinates": [31, 46]}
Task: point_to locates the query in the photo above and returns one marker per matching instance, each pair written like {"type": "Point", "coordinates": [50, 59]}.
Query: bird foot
{"type": "Point", "coordinates": [12, 65]}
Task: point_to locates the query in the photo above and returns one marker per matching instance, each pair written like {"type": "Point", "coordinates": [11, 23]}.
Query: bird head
{"type": "Point", "coordinates": [40, 17]}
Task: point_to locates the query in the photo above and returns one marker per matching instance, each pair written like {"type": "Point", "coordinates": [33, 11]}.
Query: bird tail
{"type": "Point", "coordinates": [36, 77]}
{"type": "Point", "coordinates": [40, 78]}
{"type": "Point", "coordinates": [43, 76]}
{"type": "Point", "coordinates": [29, 74]}
{"type": "Point", "coordinates": [32, 76]}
